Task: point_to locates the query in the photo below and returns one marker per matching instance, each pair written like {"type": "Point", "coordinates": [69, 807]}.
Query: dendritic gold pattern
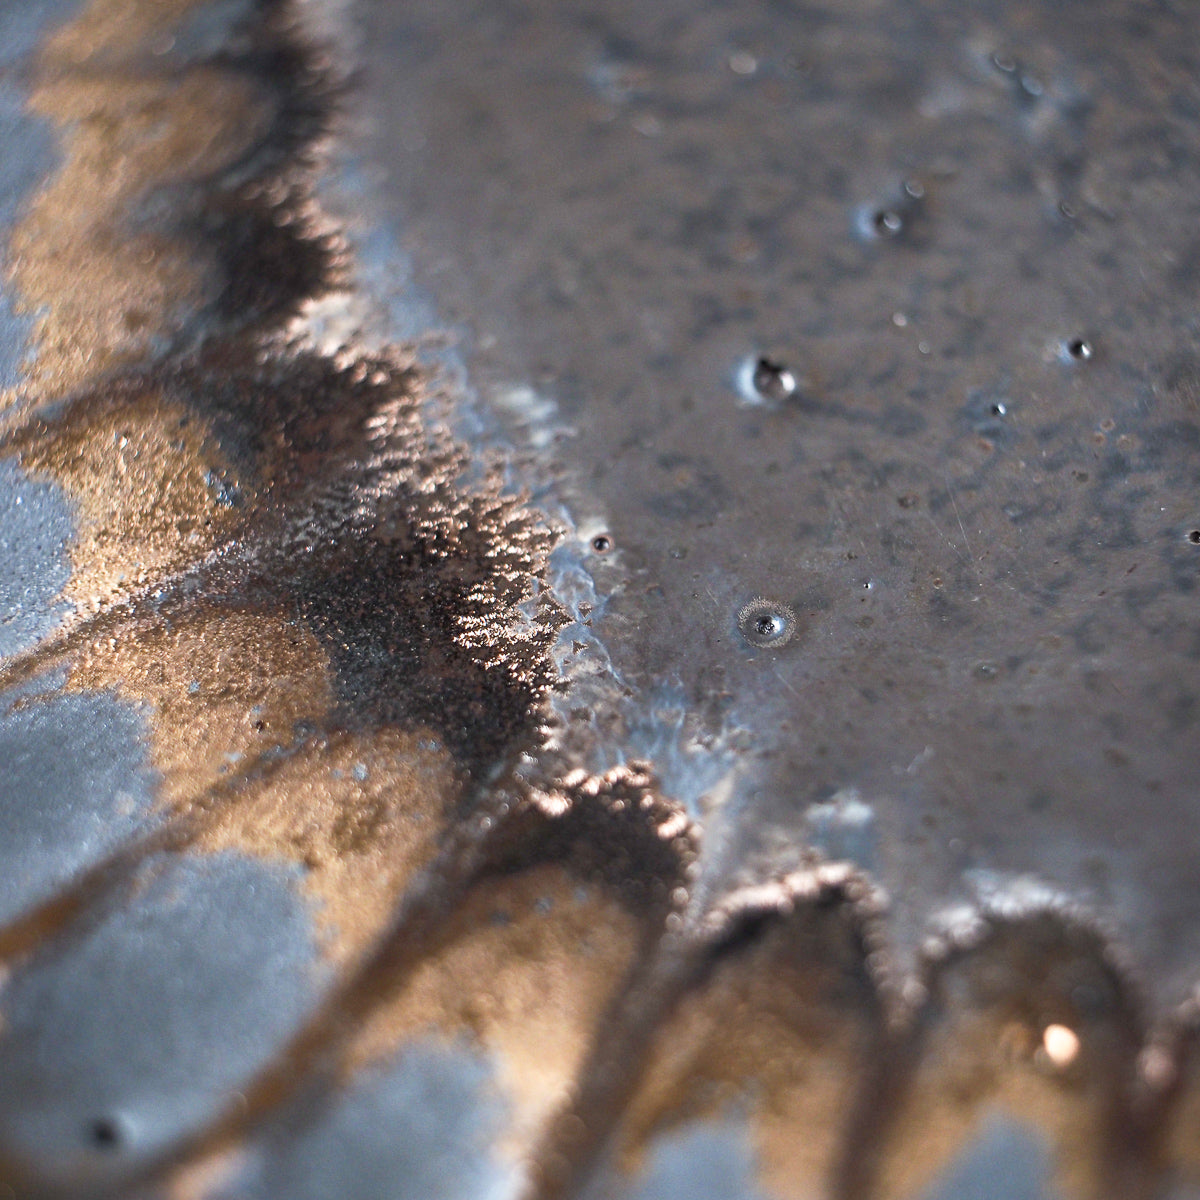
{"type": "Point", "coordinates": [341, 653]}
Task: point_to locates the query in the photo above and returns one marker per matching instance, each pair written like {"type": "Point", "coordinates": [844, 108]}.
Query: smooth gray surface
{"type": "Point", "coordinates": [985, 539]}
{"type": "Point", "coordinates": [1006, 1161]}
{"type": "Point", "coordinates": [1182, 1191]}
{"type": "Point", "coordinates": [35, 530]}
{"type": "Point", "coordinates": [148, 1018]}
{"type": "Point", "coordinates": [425, 1128]}
{"type": "Point", "coordinates": [703, 1159]}
{"type": "Point", "coordinates": [74, 784]}
{"type": "Point", "coordinates": [28, 155]}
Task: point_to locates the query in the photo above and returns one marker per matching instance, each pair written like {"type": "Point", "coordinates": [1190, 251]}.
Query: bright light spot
{"type": "Point", "coordinates": [1060, 1044]}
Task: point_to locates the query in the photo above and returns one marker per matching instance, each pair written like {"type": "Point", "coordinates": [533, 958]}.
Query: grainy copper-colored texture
{"type": "Point", "coordinates": [471, 842]}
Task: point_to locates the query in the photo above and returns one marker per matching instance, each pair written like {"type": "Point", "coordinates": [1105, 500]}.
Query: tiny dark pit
{"type": "Point", "coordinates": [773, 381]}
{"type": "Point", "coordinates": [888, 223]}
{"type": "Point", "coordinates": [104, 1133]}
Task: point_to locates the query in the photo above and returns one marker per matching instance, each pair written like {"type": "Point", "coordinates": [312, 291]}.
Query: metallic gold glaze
{"type": "Point", "coordinates": [363, 586]}
{"type": "Point", "coordinates": [526, 967]}
{"type": "Point", "coordinates": [362, 812]}
{"type": "Point", "coordinates": [252, 700]}
{"type": "Point", "coordinates": [1173, 1118]}
{"type": "Point", "coordinates": [110, 277]}
{"type": "Point", "coordinates": [108, 30]}
{"type": "Point", "coordinates": [982, 1053]}
{"type": "Point", "coordinates": [147, 482]}
{"type": "Point", "coordinates": [221, 687]}
{"type": "Point", "coordinates": [779, 1033]}
{"type": "Point", "coordinates": [207, 1177]}
{"type": "Point", "coordinates": [227, 691]}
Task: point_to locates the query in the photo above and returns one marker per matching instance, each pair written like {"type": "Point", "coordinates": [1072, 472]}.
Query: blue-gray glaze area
{"type": "Point", "coordinates": [28, 156]}
{"type": "Point", "coordinates": [842, 828]}
{"type": "Point", "coordinates": [74, 785]}
{"type": "Point", "coordinates": [209, 29]}
{"type": "Point", "coordinates": [425, 1128]}
{"type": "Point", "coordinates": [125, 1034]}
{"type": "Point", "coordinates": [1006, 1161]}
{"type": "Point", "coordinates": [703, 1161]}
{"type": "Point", "coordinates": [36, 527]}
{"type": "Point", "coordinates": [23, 25]}
{"type": "Point", "coordinates": [16, 329]}
{"type": "Point", "coordinates": [29, 150]}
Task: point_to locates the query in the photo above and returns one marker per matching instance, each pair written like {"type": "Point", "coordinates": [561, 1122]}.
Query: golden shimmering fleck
{"type": "Point", "coordinates": [107, 276]}
{"type": "Point", "coordinates": [1060, 1045]}
{"type": "Point", "coordinates": [149, 487]}
{"type": "Point", "coordinates": [362, 812]}
{"type": "Point", "coordinates": [525, 969]}
{"type": "Point", "coordinates": [220, 687]}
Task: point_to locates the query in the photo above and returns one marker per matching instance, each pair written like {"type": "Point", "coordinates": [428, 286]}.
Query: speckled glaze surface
{"type": "Point", "coordinates": [599, 600]}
